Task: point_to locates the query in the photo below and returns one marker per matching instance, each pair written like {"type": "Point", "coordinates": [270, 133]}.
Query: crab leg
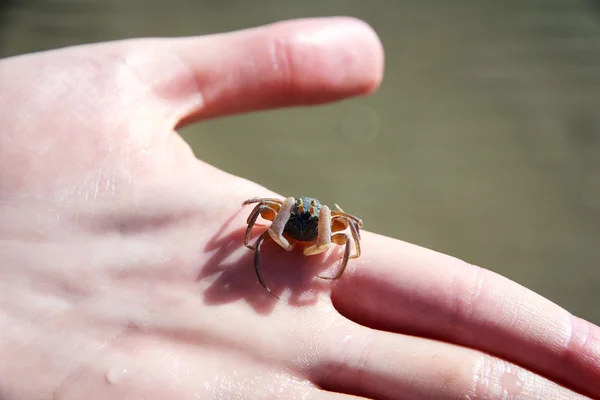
{"type": "Point", "coordinates": [259, 241]}
{"type": "Point", "coordinates": [262, 200]}
{"type": "Point", "coordinates": [340, 238]}
{"type": "Point", "coordinates": [324, 235]}
{"type": "Point", "coordinates": [350, 217]}
{"type": "Point", "coordinates": [278, 225]}
{"type": "Point", "coordinates": [339, 211]}
{"type": "Point", "coordinates": [356, 236]}
{"type": "Point", "coordinates": [273, 205]}
{"type": "Point", "coordinates": [266, 211]}
{"type": "Point", "coordinates": [354, 230]}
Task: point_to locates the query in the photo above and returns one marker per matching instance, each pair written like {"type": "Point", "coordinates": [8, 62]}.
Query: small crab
{"type": "Point", "coordinates": [304, 220]}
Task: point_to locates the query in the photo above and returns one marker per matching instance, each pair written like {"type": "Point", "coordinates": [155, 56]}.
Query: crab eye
{"type": "Point", "coordinates": [300, 206]}
{"type": "Point", "coordinates": [311, 210]}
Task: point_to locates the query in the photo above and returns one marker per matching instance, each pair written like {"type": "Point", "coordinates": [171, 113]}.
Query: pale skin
{"type": "Point", "coordinates": [122, 264]}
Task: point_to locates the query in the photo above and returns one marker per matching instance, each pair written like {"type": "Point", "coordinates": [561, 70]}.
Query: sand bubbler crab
{"type": "Point", "coordinates": [307, 221]}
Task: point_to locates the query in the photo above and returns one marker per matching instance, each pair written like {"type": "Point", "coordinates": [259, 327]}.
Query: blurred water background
{"type": "Point", "coordinates": [483, 141]}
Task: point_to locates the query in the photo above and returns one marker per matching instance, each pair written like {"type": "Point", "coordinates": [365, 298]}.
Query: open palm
{"type": "Point", "coordinates": [122, 264]}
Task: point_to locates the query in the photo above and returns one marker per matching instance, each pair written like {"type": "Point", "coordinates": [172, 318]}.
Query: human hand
{"type": "Point", "coordinates": [123, 273]}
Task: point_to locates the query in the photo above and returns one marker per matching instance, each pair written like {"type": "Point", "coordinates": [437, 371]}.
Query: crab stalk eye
{"type": "Point", "coordinates": [311, 210]}
{"type": "Point", "coordinates": [300, 206]}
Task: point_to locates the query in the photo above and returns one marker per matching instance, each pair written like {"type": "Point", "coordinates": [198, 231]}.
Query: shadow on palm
{"type": "Point", "coordinates": [280, 269]}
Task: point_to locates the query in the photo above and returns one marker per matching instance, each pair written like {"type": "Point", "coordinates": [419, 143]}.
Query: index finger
{"type": "Point", "coordinates": [404, 288]}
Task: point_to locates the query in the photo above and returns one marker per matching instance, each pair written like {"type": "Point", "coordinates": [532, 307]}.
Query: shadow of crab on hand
{"type": "Point", "coordinates": [284, 271]}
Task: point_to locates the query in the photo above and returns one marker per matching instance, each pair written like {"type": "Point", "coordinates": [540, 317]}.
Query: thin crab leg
{"type": "Point", "coordinates": [339, 211]}
{"type": "Point", "coordinates": [258, 210]}
{"type": "Point", "coordinates": [273, 205]}
{"type": "Point", "coordinates": [340, 238]}
{"type": "Point", "coordinates": [277, 227]}
{"type": "Point", "coordinates": [356, 236]}
{"type": "Point", "coordinates": [259, 241]}
{"type": "Point", "coordinates": [262, 199]}
{"type": "Point", "coordinates": [351, 217]}
{"type": "Point", "coordinates": [354, 230]}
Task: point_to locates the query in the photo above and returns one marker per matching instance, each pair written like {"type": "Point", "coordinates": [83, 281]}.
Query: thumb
{"type": "Point", "coordinates": [298, 62]}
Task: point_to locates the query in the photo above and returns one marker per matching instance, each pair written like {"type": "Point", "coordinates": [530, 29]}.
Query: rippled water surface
{"type": "Point", "coordinates": [483, 142]}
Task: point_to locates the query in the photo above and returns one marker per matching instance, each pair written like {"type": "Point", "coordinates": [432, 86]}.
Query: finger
{"type": "Point", "coordinates": [383, 365]}
{"type": "Point", "coordinates": [404, 288]}
{"type": "Point", "coordinates": [390, 366]}
{"type": "Point", "coordinates": [296, 62]}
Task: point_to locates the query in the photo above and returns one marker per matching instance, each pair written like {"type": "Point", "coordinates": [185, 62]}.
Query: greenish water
{"type": "Point", "coordinates": [483, 142]}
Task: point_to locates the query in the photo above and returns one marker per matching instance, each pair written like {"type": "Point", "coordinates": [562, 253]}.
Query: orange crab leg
{"type": "Point", "coordinates": [341, 212]}
{"type": "Point", "coordinates": [339, 223]}
{"type": "Point", "coordinates": [274, 206]}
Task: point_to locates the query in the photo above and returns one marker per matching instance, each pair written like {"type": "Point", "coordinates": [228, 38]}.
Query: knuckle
{"type": "Point", "coordinates": [583, 346]}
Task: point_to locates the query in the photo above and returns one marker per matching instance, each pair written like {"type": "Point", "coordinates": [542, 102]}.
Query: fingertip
{"type": "Point", "coordinates": [349, 52]}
